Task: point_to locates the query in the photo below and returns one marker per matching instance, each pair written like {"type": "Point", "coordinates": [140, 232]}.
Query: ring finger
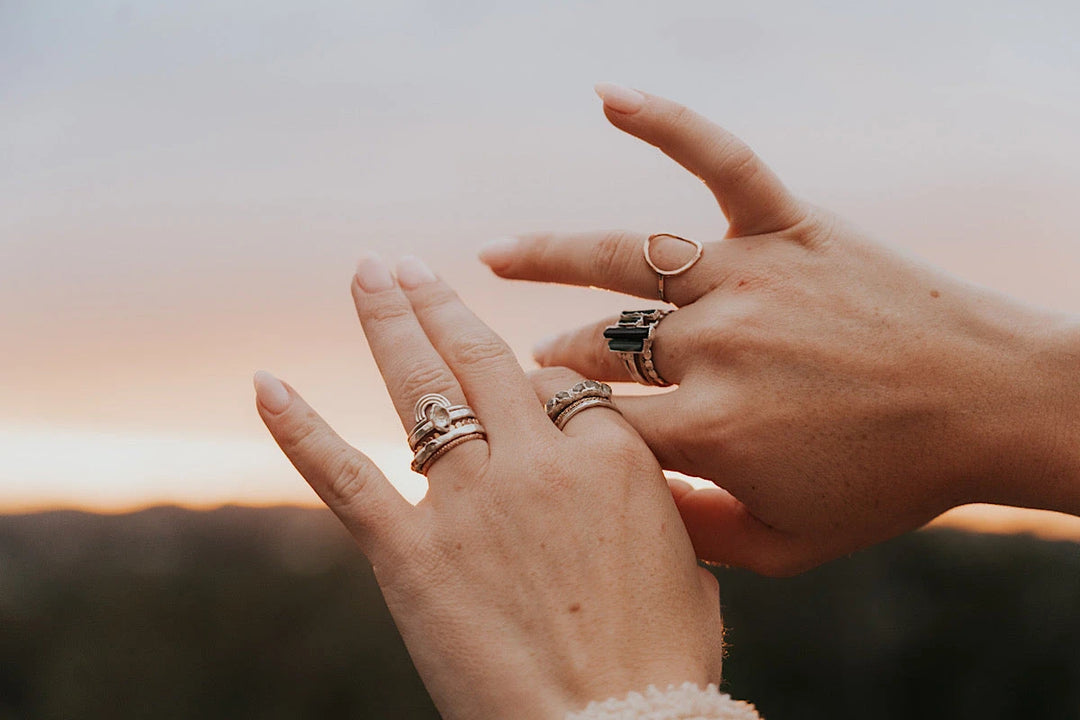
{"type": "Point", "coordinates": [548, 381]}
{"type": "Point", "coordinates": [409, 363]}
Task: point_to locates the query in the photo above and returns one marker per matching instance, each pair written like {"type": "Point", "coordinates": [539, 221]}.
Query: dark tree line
{"type": "Point", "coordinates": [273, 613]}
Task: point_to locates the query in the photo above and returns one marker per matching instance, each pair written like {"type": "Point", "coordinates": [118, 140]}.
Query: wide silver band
{"type": "Point", "coordinates": [439, 427]}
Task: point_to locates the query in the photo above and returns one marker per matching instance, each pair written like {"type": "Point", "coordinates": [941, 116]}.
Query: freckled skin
{"type": "Point", "coordinates": [831, 405]}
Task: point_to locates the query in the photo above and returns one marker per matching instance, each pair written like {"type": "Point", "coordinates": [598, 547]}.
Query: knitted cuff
{"type": "Point", "coordinates": [686, 702]}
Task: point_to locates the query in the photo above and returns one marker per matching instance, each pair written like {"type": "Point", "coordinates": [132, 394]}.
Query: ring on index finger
{"type": "Point", "coordinates": [660, 272]}
{"type": "Point", "coordinates": [440, 426]}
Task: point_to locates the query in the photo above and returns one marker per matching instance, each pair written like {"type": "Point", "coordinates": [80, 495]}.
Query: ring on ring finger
{"type": "Point", "coordinates": [565, 404]}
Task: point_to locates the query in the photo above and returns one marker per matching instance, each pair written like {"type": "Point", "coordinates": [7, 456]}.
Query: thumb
{"type": "Point", "coordinates": [751, 196]}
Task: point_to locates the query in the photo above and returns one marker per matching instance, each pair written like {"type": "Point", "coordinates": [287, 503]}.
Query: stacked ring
{"type": "Point", "coordinates": [439, 427]}
{"type": "Point", "coordinates": [632, 338]}
{"type": "Point", "coordinates": [585, 394]}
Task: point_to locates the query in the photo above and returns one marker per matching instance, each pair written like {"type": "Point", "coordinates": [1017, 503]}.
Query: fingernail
{"type": "Point", "coordinates": [497, 254]}
{"type": "Point", "coordinates": [412, 272]}
{"type": "Point", "coordinates": [373, 275]}
{"type": "Point", "coordinates": [542, 348]}
{"type": "Point", "coordinates": [619, 98]}
{"type": "Point", "coordinates": [271, 394]}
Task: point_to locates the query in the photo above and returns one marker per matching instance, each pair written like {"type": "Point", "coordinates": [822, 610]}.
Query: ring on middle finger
{"type": "Point", "coordinates": [631, 338]}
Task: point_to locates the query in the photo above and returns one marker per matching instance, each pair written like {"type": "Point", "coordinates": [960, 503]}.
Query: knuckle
{"type": "Point", "coordinates": [738, 160]}
{"type": "Point", "coordinates": [305, 436]}
{"type": "Point", "coordinates": [425, 379]}
{"type": "Point", "coordinates": [435, 297]}
{"type": "Point", "coordinates": [609, 255]}
{"type": "Point", "coordinates": [386, 313]}
{"type": "Point", "coordinates": [480, 352]}
{"type": "Point", "coordinates": [350, 476]}
{"type": "Point", "coordinates": [680, 117]}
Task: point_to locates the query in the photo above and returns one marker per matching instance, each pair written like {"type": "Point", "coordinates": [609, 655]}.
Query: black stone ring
{"type": "Point", "coordinates": [632, 338]}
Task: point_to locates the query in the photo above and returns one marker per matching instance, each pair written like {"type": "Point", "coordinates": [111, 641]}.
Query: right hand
{"type": "Point", "coordinates": [837, 393]}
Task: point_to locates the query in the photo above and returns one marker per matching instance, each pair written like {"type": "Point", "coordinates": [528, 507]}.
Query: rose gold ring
{"type": "Point", "coordinates": [660, 272]}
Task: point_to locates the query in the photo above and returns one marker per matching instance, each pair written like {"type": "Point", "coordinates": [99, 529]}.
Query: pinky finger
{"type": "Point", "coordinates": [347, 481]}
{"type": "Point", "coordinates": [723, 530]}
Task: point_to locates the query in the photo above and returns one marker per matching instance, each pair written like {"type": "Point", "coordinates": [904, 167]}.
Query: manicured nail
{"type": "Point", "coordinates": [271, 394]}
{"type": "Point", "coordinates": [412, 272]}
{"type": "Point", "coordinates": [373, 275]}
{"type": "Point", "coordinates": [497, 254]}
{"type": "Point", "coordinates": [619, 98]}
{"type": "Point", "coordinates": [542, 348]}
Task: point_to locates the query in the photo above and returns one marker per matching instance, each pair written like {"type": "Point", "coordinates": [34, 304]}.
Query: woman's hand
{"type": "Point", "coordinates": [838, 394]}
{"type": "Point", "coordinates": [544, 568]}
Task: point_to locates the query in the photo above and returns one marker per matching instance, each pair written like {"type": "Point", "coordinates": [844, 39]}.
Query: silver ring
{"type": "Point", "coordinates": [585, 388]}
{"type": "Point", "coordinates": [661, 274]}
{"type": "Point", "coordinates": [631, 338]}
{"type": "Point", "coordinates": [440, 426]}
{"type": "Point", "coordinates": [438, 446]}
{"type": "Point", "coordinates": [564, 404]}
{"type": "Point", "coordinates": [584, 403]}
{"type": "Point", "coordinates": [454, 415]}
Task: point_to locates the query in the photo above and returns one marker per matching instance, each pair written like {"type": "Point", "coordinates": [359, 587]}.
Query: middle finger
{"type": "Point", "coordinates": [408, 363]}
{"type": "Point", "coordinates": [586, 351]}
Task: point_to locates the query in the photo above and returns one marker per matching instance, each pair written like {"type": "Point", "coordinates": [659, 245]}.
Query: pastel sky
{"type": "Point", "coordinates": [184, 189]}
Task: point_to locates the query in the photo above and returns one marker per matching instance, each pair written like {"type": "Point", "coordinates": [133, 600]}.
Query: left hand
{"type": "Point", "coordinates": [544, 568]}
{"type": "Point", "coordinates": [837, 393]}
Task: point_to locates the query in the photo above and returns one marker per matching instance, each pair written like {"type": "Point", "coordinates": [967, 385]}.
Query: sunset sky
{"type": "Point", "coordinates": [184, 189]}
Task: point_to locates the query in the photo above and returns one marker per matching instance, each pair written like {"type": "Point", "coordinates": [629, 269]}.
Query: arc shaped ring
{"type": "Point", "coordinates": [440, 426]}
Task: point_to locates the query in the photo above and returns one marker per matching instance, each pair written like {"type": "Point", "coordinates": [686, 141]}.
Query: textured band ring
{"type": "Point", "coordinates": [631, 338]}
{"type": "Point", "coordinates": [577, 406]}
{"type": "Point", "coordinates": [436, 447]}
{"type": "Point", "coordinates": [586, 388]}
{"type": "Point", "coordinates": [439, 427]}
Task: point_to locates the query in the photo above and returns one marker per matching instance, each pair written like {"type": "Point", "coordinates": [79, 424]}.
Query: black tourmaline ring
{"type": "Point", "coordinates": [632, 338]}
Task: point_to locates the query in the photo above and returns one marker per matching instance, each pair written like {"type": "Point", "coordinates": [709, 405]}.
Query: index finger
{"type": "Point", "coordinates": [614, 260]}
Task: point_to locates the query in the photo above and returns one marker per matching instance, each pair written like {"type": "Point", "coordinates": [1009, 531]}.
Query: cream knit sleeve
{"type": "Point", "coordinates": [686, 702]}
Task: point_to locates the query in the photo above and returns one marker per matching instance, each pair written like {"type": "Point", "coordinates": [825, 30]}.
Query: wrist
{"type": "Point", "coordinates": [1037, 429]}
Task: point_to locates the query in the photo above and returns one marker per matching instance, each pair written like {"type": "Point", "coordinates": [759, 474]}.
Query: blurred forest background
{"type": "Point", "coordinates": [274, 613]}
